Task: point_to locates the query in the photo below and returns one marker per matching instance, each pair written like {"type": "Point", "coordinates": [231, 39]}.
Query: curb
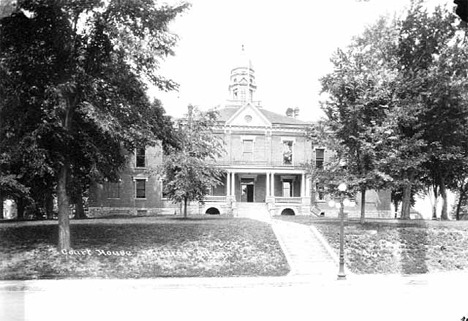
{"type": "Point", "coordinates": [157, 284]}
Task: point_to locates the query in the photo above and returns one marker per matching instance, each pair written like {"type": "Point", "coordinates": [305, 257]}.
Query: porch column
{"type": "Point", "coordinates": [228, 184]}
{"type": "Point", "coordinates": [307, 192]}
{"type": "Point", "coordinates": [233, 186]}
{"type": "Point", "coordinates": [273, 184]}
{"type": "Point", "coordinates": [267, 187]}
{"type": "Point", "coordinates": [303, 185]}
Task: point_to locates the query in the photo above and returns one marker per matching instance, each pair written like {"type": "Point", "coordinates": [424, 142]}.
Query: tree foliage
{"type": "Point", "coordinates": [398, 103]}
{"type": "Point", "coordinates": [360, 96]}
{"type": "Point", "coordinates": [190, 172]}
{"type": "Point", "coordinates": [74, 89]}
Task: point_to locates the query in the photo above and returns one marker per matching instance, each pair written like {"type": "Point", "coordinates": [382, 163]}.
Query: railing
{"type": "Point", "coordinates": [289, 200]}
{"type": "Point", "coordinates": [211, 198]}
{"type": "Point", "coordinates": [259, 163]}
{"type": "Point", "coordinates": [281, 200]}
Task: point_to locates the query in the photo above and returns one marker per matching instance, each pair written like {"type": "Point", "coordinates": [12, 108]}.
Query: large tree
{"type": "Point", "coordinates": [190, 172]}
{"type": "Point", "coordinates": [75, 82]}
{"type": "Point", "coordinates": [432, 56]}
{"type": "Point", "coordinates": [398, 103]}
{"type": "Point", "coordinates": [359, 97]}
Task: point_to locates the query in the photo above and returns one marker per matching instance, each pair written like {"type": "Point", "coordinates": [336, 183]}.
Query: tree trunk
{"type": "Point", "coordinates": [49, 206]}
{"type": "Point", "coordinates": [1, 207]}
{"type": "Point", "coordinates": [63, 209]}
{"type": "Point", "coordinates": [434, 205]}
{"type": "Point", "coordinates": [64, 242]}
{"type": "Point", "coordinates": [20, 208]}
{"type": "Point", "coordinates": [395, 203]}
{"type": "Point", "coordinates": [443, 194]}
{"type": "Point", "coordinates": [79, 209]}
{"type": "Point", "coordinates": [313, 193]}
{"type": "Point", "coordinates": [406, 202]}
{"type": "Point", "coordinates": [185, 208]}
{"type": "Point", "coordinates": [461, 197]}
{"type": "Point", "coordinates": [363, 205]}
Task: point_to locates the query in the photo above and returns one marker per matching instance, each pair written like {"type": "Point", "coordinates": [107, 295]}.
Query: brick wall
{"type": "Point", "coordinates": [108, 196]}
{"type": "Point", "coordinates": [267, 147]}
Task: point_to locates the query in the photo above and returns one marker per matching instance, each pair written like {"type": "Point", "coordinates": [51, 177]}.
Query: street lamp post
{"type": "Point", "coordinates": [343, 202]}
{"type": "Point", "coordinates": [341, 273]}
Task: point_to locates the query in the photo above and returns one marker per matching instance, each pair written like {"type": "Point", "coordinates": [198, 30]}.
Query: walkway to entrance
{"type": "Point", "coordinates": [306, 250]}
{"type": "Point", "coordinates": [308, 254]}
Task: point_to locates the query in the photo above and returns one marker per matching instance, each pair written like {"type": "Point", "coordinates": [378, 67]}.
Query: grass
{"type": "Point", "coordinates": [395, 246]}
{"type": "Point", "coordinates": [142, 248]}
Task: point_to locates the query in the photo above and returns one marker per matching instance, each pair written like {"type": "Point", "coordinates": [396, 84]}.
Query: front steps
{"type": "Point", "coordinates": [256, 211]}
{"type": "Point", "coordinates": [308, 254]}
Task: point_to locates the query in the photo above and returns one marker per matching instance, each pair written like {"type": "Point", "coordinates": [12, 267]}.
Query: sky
{"type": "Point", "coordinates": [289, 43]}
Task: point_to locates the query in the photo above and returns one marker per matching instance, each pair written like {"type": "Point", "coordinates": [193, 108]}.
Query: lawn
{"type": "Point", "coordinates": [395, 246]}
{"type": "Point", "coordinates": [142, 248]}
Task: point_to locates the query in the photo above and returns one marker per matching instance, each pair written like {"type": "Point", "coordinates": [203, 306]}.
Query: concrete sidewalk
{"type": "Point", "coordinates": [438, 297]}
{"type": "Point", "coordinates": [373, 280]}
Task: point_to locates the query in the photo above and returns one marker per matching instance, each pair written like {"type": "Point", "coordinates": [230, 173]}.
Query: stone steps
{"type": "Point", "coordinates": [257, 211]}
{"type": "Point", "coordinates": [305, 252]}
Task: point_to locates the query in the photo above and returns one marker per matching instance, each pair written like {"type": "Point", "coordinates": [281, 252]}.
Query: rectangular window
{"type": "Point", "coordinates": [320, 196]}
{"type": "Point", "coordinates": [287, 189]}
{"type": "Point", "coordinates": [287, 152]}
{"type": "Point", "coordinates": [140, 157]}
{"type": "Point", "coordinates": [140, 185]}
{"type": "Point", "coordinates": [242, 94]}
{"type": "Point", "coordinates": [163, 185]}
{"type": "Point", "coordinates": [248, 146]}
{"type": "Point", "coordinates": [113, 190]}
{"type": "Point", "coordinates": [319, 157]}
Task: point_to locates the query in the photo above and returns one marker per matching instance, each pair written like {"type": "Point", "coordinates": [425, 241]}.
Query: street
{"type": "Point", "coordinates": [362, 298]}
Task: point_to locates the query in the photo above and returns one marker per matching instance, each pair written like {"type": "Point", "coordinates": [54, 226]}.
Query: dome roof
{"type": "Point", "coordinates": [242, 60]}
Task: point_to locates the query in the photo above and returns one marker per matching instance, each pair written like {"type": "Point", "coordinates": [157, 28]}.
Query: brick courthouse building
{"type": "Point", "coordinates": [264, 154]}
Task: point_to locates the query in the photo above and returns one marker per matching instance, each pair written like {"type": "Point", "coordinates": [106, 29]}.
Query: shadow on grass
{"type": "Point", "coordinates": [413, 238]}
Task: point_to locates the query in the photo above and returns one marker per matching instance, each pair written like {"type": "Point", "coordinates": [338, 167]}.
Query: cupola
{"type": "Point", "coordinates": [242, 83]}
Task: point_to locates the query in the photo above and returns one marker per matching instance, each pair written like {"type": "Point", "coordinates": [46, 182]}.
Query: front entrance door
{"type": "Point", "coordinates": [247, 193]}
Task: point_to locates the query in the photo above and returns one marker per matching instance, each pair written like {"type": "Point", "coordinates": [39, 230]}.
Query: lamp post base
{"type": "Point", "coordinates": [341, 277]}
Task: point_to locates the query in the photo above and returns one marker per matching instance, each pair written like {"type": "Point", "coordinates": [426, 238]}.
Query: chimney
{"type": "Point", "coordinates": [296, 112]}
{"type": "Point", "coordinates": [190, 109]}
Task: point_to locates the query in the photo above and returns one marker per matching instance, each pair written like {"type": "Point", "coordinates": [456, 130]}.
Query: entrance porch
{"type": "Point", "coordinates": [280, 191]}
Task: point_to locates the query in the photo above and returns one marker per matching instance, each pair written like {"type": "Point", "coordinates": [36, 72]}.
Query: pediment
{"type": "Point", "coordinates": [248, 115]}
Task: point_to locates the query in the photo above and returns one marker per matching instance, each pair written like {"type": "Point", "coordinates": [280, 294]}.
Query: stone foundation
{"type": "Point", "coordinates": [122, 211]}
